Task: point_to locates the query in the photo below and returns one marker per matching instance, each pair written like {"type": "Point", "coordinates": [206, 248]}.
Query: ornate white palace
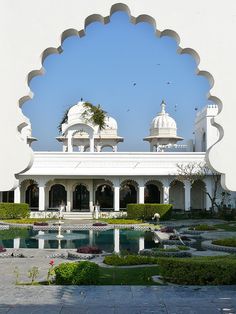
{"type": "Point", "coordinates": [83, 175]}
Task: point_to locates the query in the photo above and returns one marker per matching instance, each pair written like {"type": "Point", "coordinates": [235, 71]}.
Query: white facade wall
{"type": "Point", "coordinates": [203, 125]}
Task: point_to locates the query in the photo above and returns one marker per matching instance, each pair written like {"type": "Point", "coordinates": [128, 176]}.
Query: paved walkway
{"type": "Point", "coordinates": [103, 299]}
{"type": "Point", "coordinates": [117, 299]}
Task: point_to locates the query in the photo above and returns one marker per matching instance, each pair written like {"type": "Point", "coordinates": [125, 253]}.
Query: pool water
{"type": "Point", "coordinates": [110, 240]}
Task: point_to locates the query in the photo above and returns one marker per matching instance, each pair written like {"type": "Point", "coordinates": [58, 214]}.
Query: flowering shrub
{"type": "Point", "coordinates": [99, 224]}
{"type": "Point", "coordinates": [2, 249]}
{"type": "Point", "coordinates": [51, 271]}
{"type": "Point", "coordinates": [89, 250]}
{"type": "Point", "coordinates": [40, 223]}
{"type": "Point", "coordinates": [167, 229]}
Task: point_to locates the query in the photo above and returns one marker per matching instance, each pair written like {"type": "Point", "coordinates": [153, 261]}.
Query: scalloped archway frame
{"type": "Point", "coordinates": [31, 30]}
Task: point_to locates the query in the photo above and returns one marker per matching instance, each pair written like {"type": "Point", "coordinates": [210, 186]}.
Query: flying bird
{"type": "Point", "coordinates": [196, 108]}
{"type": "Point", "coordinates": [168, 83]}
{"type": "Point", "coordinates": [81, 98]}
{"type": "Point", "coordinates": [134, 84]}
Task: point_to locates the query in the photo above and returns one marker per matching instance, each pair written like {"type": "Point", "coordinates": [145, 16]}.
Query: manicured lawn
{"type": "Point", "coordinates": [27, 220]}
{"type": "Point", "coordinates": [121, 221]}
{"type": "Point", "coordinates": [128, 276]}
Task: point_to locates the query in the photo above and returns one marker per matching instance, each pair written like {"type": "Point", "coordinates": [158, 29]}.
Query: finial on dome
{"type": "Point", "coordinates": [163, 107]}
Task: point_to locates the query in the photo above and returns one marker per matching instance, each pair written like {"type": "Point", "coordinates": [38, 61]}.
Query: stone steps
{"type": "Point", "coordinates": [77, 215]}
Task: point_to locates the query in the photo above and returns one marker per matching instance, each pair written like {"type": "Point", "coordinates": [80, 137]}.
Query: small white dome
{"type": "Point", "coordinates": [110, 123]}
{"type": "Point", "coordinates": [163, 120]}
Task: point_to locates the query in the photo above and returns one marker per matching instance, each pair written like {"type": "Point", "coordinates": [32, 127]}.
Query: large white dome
{"type": "Point", "coordinates": [76, 112]}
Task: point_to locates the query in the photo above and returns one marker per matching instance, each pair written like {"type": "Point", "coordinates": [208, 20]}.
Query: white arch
{"type": "Point", "coordinates": [211, 48]}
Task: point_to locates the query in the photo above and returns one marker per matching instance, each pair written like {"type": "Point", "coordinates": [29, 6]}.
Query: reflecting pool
{"type": "Point", "coordinates": [113, 240]}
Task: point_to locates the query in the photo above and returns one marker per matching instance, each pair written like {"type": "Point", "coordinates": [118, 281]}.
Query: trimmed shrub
{"type": "Point", "coordinates": [147, 211]}
{"type": "Point", "coordinates": [86, 273]}
{"type": "Point", "coordinates": [89, 250]}
{"type": "Point", "coordinates": [199, 270]}
{"type": "Point", "coordinates": [203, 227]}
{"type": "Point", "coordinates": [14, 210]}
{"type": "Point", "coordinates": [128, 260]}
{"type": "Point", "coordinates": [82, 273]}
{"type": "Point", "coordinates": [225, 242]}
{"type": "Point", "coordinates": [99, 224]}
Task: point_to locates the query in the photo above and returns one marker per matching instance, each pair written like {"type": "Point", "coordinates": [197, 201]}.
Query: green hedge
{"type": "Point", "coordinates": [147, 211]}
{"type": "Point", "coordinates": [82, 273]}
{"type": "Point", "coordinates": [199, 270]}
{"type": "Point", "coordinates": [14, 210]}
{"type": "Point", "coordinates": [127, 260]}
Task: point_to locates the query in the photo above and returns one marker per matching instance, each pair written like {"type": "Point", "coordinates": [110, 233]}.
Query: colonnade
{"type": "Point", "coordinates": [165, 187]}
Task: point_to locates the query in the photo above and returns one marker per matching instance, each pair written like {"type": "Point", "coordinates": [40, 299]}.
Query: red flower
{"type": "Point", "coordinates": [51, 262]}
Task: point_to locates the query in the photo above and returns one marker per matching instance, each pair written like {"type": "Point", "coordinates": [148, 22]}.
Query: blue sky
{"type": "Point", "coordinates": [102, 68]}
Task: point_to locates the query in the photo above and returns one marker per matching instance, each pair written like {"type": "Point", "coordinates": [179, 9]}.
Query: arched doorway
{"type": "Point", "coordinates": [32, 196]}
{"type": "Point", "coordinates": [57, 196]}
{"type": "Point", "coordinates": [128, 193]}
{"type": "Point", "coordinates": [80, 198]}
{"type": "Point", "coordinates": [152, 194]}
{"type": "Point", "coordinates": [177, 194]}
{"type": "Point", "coordinates": [198, 195]}
{"type": "Point", "coordinates": [104, 196]}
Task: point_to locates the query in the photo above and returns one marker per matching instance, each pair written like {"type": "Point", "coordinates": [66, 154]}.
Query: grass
{"type": "Point", "coordinates": [117, 221]}
{"type": "Point", "coordinates": [27, 220]}
{"type": "Point", "coordinates": [203, 227]}
{"type": "Point", "coordinates": [226, 227]}
{"type": "Point", "coordinates": [225, 242]}
{"type": "Point", "coordinates": [128, 276]}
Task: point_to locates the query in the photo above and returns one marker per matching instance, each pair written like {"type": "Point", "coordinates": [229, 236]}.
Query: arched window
{"type": "Point", "coordinates": [128, 194]}
{"type": "Point", "coordinates": [8, 197]}
{"type": "Point", "coordinates": [152, 194]}
{"type": "Point", "coordinates": [57, 196]}
{"type": "Point", "coordinates": [32, 196]}
{"type": "Point", "coordinates": [80, 198]}
{"type": "Point", "coordinates": [104, 196]}
{"type": "Point", "coordinates": [198, 195]}
{"type": "Point", "coordinates": [177, 193]}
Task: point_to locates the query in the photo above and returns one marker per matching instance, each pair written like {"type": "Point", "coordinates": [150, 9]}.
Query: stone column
{"type": "Point", "coordinates": [68, 197]}
{"type": "Point", "coordinates": [141, 194]}
{"type": "Point", "coordinates": [166, 191]}
{"type": "Point", "coordinates": [17, 195]}
{"type": "Point", "coordinates": [70, 146]}
{"type": "Point", "coordinates": [117, 198]}
{"type": "Point", "coordinates": [91, 197]}
{"type": "Point", "coordinates": [114, 148]}
{"type": "Point", "coordinates": [41, 196]}
{"type": "Point", "coordinates": [117, 240]}
{"type": "Point", "coordinates": [1, 197]}
{"type": "Point", "coordinates": [187, 195]}
{"type": "Point", "coordinates": [91, 144]}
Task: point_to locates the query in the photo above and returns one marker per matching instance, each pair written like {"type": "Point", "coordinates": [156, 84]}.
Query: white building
{"type": "Point", "coordinates": [82, 175]}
